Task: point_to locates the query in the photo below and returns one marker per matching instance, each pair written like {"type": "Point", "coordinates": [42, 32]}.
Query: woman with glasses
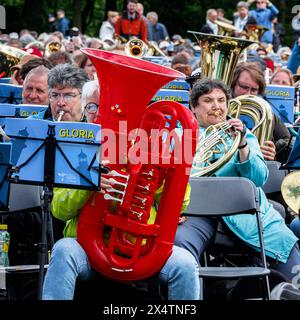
{"type": "Point", "coordinates": [90, 100]}
{"type": "Point", "coordinates": [248, 78]}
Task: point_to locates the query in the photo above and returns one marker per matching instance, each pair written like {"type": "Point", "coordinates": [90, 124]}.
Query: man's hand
{"type": "Point", "coordinates": [268, 150]}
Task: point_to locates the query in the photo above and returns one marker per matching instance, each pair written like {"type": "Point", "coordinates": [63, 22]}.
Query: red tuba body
{"type": "Point", "coordinates": [121, 237]}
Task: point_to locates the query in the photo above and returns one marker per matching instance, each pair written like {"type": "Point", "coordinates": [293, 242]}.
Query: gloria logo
{"type": "Point", "coordinates": [2, 18]}
{"type": "Point", "coordinates": [296, 19]}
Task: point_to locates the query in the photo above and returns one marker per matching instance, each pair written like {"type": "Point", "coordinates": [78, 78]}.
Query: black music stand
{"type": "Point", "coordinates": [48, 155]}
{"type": "Point", "coordinates": [5, 167]}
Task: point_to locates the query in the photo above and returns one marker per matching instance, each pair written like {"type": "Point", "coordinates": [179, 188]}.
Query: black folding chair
{"type": "Point", "coordinates": [272, 187]}
{"type": "Point", "coordinates": [223, 196]}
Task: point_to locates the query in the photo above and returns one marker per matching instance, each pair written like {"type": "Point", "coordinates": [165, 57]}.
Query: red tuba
{"type": "Point", "coordinates": [120, 236]}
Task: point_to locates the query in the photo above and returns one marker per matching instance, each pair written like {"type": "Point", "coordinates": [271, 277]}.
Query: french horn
{"type": "Point", "coordinates": [258, 111]}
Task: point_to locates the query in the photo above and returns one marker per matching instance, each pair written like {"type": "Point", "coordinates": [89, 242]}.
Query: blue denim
{"type": "Point", "coordinates": [295, 227]}
{"type": "Point", "coordinates": [69, 262]}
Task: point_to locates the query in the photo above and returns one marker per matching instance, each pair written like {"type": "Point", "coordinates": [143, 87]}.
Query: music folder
{"type": "Point", "coordinates": [61, 154]}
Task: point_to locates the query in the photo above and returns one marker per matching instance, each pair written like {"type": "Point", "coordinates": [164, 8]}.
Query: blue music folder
{"type": "Point", "coordinates": [10, 93]}
{"type": "Point", "coordinates": [5, 164]}
{"type": "Point", "coordinates": [282, 101]}
{"type": "Point", "coordinates": [75, 155]}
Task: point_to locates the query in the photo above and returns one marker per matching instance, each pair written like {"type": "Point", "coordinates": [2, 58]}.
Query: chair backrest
{"type": "Point", "coordinates": [222, 196]}
{"type": "Point", "coordinates": [276, 175]}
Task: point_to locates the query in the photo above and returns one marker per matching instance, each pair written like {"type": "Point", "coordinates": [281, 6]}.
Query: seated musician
{"type": "Point", "coordinates": [69, 261]}
{"type": "Point", "coordinates": [208, 100]}
{"type": "Point", "coordinates": [248, 78]}
{"type": "Point", "coordinates": [35, 87]}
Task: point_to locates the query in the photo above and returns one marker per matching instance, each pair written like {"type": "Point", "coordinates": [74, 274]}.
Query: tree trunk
{"type": "Point", "coordinates": [33, 19]}
{"type": "Point", "coordinates": [77, 15]}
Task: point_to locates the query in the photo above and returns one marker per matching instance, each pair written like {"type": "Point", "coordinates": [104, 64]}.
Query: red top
{"type": "Point", "coordinates": [127, 28]}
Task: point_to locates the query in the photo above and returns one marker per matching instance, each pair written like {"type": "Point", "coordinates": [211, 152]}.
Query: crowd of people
{"type": "Point", "coordinates": [54, 73]}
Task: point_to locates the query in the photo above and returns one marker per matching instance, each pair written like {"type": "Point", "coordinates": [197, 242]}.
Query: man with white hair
{"type": "Point", "coordinates": [158, 30]}
{"type": "Point", "coordinates": [210, 26]}
{"type": "Point", "coordinates": [35, 86]}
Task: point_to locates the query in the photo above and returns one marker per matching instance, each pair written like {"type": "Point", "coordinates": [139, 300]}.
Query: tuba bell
{"type": "Point", "coordinates": [53, 46]}
{"type": "Point", "coordinates": [219, 55]}
{"type": "Point", "coordinates": [114, 229]}
{"type": "Point", "coordinates": [258, 114]}
{"type": "Point", "coordinates": [136, 48]}
{"type": "Point", "coordinates": [9, 56]}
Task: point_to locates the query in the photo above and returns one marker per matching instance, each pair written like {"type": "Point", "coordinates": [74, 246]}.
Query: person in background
{"type": "Point", "coordinates": [248, 78]}
{"type": "Point", "coordinates": [242, 19]}
{"type": "Point", "coordinates": [53, 24]}
{"type": "Point", "coordinates": [33, 63]}
{"type": "Point", "coordinates": [210, 26]}
{"type": "Point", "coordinates": [140, 11]}
{"type": "Point", "coordinates": [90, 100]}
{"type": "Point", "coordinates": [264, 14]}
{"type": "Point", "coordinates": [35, 86]}
{"type": "Point", "coordinates": [107, 30]}
{"type": "Point", "coordinates": [59, 57]}
{"type": "Point", "coordinates": [63, 23]}
{"type": "Point", "coordinates": [282, 77]}
{"type": "Point", "coordinates": [83, 62]}
{"type": "Point", "coordinates": [158, 30]}
{"type": "Point", "coordinates": [15, 77]}
{"type": "Point", "coordinates": [131, 24]}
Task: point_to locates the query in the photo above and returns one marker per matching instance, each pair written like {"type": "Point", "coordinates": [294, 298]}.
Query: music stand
{"type": "Point", "coordinates": [53, 154]}
{"type": "Point", "coordinates": [5, 166]}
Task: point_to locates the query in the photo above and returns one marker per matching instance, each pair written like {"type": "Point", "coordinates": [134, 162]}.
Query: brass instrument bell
{"type": "Point", "coordinates": [219, 55]}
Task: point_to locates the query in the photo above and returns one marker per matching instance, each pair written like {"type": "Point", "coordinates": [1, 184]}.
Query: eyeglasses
{"type": "Point", "coordinates": [91, 107]}
{"type": "Point", "coordinates": [68, 96]}
{"type": "Point", "coordinates": [253, 90]}
{"type": "Point", "coordinates": [260, 2]}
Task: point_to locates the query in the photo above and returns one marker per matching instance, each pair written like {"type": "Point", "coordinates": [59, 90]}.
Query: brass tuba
{"type": "Point", "coordinates": [9, 56]}
{"type": "Point", "coordinates": [53, 46]}
{"type": "Point", "coordinates": [136, 48]}
{"type": "Point", "coordinates": [258, 111]}
{"type": "Point", "coordinates": [255, 32]}
{"type": "Point", "coordinates": [219, 55]}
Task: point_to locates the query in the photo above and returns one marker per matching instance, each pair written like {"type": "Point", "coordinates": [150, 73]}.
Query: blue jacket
{"type": "Point", "coordinates": [158, 32]}
{"type": "Point", "coordinates": [278, 238]}
{"type": "Point", "coordinates": [264, 18]}
{"type": "Point", "coordinates": [294, 59]}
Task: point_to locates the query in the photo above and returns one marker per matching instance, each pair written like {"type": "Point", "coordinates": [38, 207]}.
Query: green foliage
{"type": "Point", "coordinates": [178, 16]}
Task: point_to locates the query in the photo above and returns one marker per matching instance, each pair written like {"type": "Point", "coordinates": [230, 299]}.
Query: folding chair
{"type": "Point", "coordinates": [272, 187]}
{"type": "Point", "coordinates": [222, 196]}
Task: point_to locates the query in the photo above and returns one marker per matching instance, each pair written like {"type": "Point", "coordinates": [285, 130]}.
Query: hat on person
{"type": "Point", "coordinates": [14, 35]}
{"type": "Point", "coordinates": [112, 14]}
{"type": "Point", "coordinates": [33, 51]}
{"type": "Point", "coordinates": [195, 75]}
{"type": "Point", "coordinates": [23, 60]}
{"type": "Point", "coordinates": [242, 4]}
